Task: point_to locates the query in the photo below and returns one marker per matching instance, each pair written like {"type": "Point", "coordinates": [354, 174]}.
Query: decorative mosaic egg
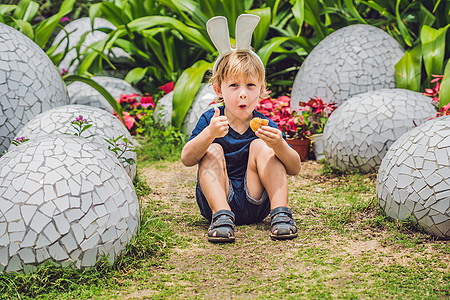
{"type": "Point", "coordinates": [63, 200]}
{"type": "Point", "coordinates": [202, 102]}
{"type": "Point", "coordinates": [59, 121]}
{"type": "Point", "coordinates": [29, 83]}
{"type": "Point", "coordinates": [352, 60]}
{"type": "Point", "coordinates": [82, 93]}
{"type": "Point", "coordinates": [414, 177]}
{"type": "Point", "coordinates": [76, 30]}
{"type": "Point", "coordinates": [361, 130]}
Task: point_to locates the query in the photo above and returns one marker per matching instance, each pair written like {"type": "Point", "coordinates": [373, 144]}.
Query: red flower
{"type": "Point", "coordinates": [147, 101]}
{"type": "Point", "coordinates": [168, 87]}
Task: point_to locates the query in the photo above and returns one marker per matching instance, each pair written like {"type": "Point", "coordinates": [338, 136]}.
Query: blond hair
{"type": "Point", "coordinates": [239, 63]}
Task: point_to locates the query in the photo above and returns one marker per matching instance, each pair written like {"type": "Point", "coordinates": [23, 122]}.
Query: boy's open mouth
{"type": "Point", "coordinates": [242, 106]}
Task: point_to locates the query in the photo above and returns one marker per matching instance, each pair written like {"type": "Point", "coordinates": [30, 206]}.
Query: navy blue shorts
{"type": "Point", "coordinates": [246, 209]}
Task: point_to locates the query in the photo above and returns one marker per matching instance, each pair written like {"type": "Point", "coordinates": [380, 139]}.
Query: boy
{"type": "Point", "coordinates": [241, 173]}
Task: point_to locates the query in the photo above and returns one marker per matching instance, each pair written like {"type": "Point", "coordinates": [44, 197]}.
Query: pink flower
{"type": "Point", "coordinates": [168, 87]}
{"type": "Point", "coordinates": [65, 19]}
{"type": "Point", "coordinates": [129, 120]}
{"type": "Point", "coordinates": [64, 72]}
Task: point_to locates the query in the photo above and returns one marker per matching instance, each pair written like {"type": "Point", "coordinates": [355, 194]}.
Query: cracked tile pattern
{"type": "Point", "coordinates": [414, 177]}
{"type": "Point", "coordinates": [29, 83]}
{"type": "Point", "coordinates": [361, 130]}
{"type": "Point", "coordinates": [76, 30]}
{"type": "Point", "coordinates": [351, 60]}
{"type": "Point", "coordinates": [82, 93]}
{"type": "Point", "coordinates": [58, 121]}
{"type": "Point", "coordinates": [202, 103]}
{"type": "Point", "coordinates": [63, 200]}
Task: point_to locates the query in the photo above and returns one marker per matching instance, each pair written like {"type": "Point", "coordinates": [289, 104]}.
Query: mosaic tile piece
{"type": "Point", "coordinates": [202, 102]}
{"type": "Point", "coordinates": [72, 229]}
{"type": "Point", "coordinates": [58, 121]}
{"type": "Point", "coordinates": [76, 30]}
{"type": "Point", "coordinates": [29, 83]}
{"type": "Point", "coordinates": [82, 93]}
{"type": "Point", "coordinates": [360, 131]}
{"type": "Point", "coordinates": [351, 60]}
{"type": "Point", "coordinates": [428, 201]}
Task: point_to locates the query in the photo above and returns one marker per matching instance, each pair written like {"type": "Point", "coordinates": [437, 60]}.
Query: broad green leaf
{"type": "Point", "coordinates": [265, 52]}
{"type": "Point", "coordinates": [19, 12]}
{"type": "Point", "coordinates": [112, 13]}
{"type": "Point", "coordinates": [131, 48]}
{"type": "Point", "coordinates": [190, 33]}
{"type": "Point", "coordinates": [433, 49]}
{"type": "Point", "coordinates": [87, 61]}
{"type": "Point", "coordinates": [46, 28]}
{"type": "Point", "coordinates": [26, 10]}
{"type": "Point", "coordinates": [5, 8]}
{"type": "Point", "coordinates": [211, 8]}
{"type": "Point", "coordinates": [298, 10]}
{"type": "Point", "coordinates": [425, 17]}
{"type": "Point", "coordinates": [192, 8]}
{"type": "Point", "coordinates": [444, 91]}
{"type": "Point", "coordinates": [25, 28]}
{"type": "Point", "coordinates": [312, 17]}
{"type": "Point", "coordinates": [354, 12]}
{"type": "Point", "coordinates": [408, 70]}
{"type": "Point", "coordinates": [401, 26]}
{"type": "Point", "coordinates": [136, 75]}
{"type": "Point", "coordinates": [113, 102]}
{"type": "Point", "coordinates": [260, 33]}
{"type": "Point", "coordinates": [185, 90]}
{"type": "Point", "coordinates": [94, 12]}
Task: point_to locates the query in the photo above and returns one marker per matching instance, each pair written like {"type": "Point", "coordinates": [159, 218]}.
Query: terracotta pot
{"type": "Point", "coordinates": [301, 146]}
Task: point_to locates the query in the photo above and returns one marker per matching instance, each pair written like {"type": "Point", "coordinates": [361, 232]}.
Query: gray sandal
{"type": "Point", "coordinates": [283, 223]}
{"type": "Point", "coordinates": [222, 224]}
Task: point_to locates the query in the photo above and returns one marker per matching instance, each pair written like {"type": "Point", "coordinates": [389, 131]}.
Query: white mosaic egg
{"type": "Point", "coordinates": [63, 200]}
{"type": "Point", "coordinates": [82, 93]}
{"type": "Point", "coordinates": [76, 29]}
{"type": "Point", "coordinates": [29, 83]}
{"type": "Point", "coordinates": [202, 102]}
{"type": "Point", "coordinates": [351, 60]}
{"type": "Point", "coordinates": [361, 130]}
{"type": "Point", "coordinates": [59, 121]}
{"type": "Point", "coordinates": [414, 177]}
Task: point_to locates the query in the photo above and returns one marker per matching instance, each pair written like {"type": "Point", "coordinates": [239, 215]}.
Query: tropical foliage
{"type": "Point", "coordinates": [167, 39]}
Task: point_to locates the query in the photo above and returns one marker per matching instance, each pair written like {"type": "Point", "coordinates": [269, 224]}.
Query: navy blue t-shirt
{"type": "Point", "coordinates": [235, 145]}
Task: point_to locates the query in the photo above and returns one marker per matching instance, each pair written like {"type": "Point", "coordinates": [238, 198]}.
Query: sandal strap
{"type": "Point", "coordinates": [281, 209]}
{"type": "Point", "coordinates": [223, 218]}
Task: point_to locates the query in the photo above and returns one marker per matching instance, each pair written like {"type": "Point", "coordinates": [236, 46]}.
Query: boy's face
{"type": "Point", "coordinates": [241, 95]}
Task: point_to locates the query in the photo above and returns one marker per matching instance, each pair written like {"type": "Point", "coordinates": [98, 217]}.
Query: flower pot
{"type": "Point", "coordinates": [301, 146]}
{"type": "Point", "coordinates": [318, 145]}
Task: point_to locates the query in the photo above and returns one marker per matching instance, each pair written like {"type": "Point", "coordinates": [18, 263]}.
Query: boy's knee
{"type": "Point", "coordinates": [214, 153]}
{"type": "Point", "coordinates": [259, 147]}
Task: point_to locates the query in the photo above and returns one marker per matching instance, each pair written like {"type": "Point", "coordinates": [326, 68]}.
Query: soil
{"type": "Point", "coordinates": [256, 263]}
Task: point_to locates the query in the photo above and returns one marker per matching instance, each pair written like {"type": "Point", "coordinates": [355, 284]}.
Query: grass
{"type": "Point", "coordinates": [346, 249]}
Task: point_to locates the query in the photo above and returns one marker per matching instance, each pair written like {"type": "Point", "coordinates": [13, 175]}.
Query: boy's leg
{"type": "Point", "coordinates": [265, 171]}
{"type": "Point", "coordinates": [215, 185]}
{"type": "Point", "coordinates": [213, 178]}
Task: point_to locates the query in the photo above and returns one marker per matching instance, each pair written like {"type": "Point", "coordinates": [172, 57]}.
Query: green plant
{"type": "Point", "coordinates": [21, 17]}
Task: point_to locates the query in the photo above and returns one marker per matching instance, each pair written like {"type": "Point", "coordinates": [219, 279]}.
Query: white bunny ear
{"type": "Point", "coordinates": [217, 28]}
{"type": "Point", "coordinates": [245, 25]}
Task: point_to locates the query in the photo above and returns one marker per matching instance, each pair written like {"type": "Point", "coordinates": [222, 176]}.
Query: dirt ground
{"type": "Point", "coordinates": [255, 264]}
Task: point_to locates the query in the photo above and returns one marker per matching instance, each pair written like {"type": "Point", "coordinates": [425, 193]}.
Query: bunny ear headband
{"type": "Point", "coordinates": [217, 28]}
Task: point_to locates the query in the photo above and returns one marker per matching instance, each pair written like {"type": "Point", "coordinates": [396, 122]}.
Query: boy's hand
{"type": "Point", "coordinates": [271, 136]}
{"type": "Point", "coordinates": [218, 125]}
